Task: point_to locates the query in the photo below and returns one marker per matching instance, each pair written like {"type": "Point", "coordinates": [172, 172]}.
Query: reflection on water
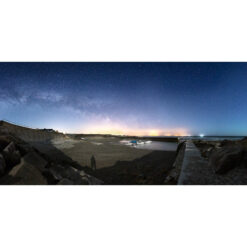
{"type": "Point", "coordinates": [154, 145]}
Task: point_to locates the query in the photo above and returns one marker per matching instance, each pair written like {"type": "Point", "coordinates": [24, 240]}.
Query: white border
{"type": "Point", "coordinates": [123, 30]}
{"type": "Point", "coordinates": [126, 30]}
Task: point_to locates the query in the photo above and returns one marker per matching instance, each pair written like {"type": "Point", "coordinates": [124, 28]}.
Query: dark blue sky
{"type": "Point", "coordinates": [127, 98]}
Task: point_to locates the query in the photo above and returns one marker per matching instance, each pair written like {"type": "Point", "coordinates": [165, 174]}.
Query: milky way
{"type": "Point", "coordinates": [127, 98]}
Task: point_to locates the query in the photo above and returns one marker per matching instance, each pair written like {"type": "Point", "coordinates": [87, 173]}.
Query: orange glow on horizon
{"type": "Point", "coordinates": [117, 130]}
{"type": "Point", "coordinates": [154, 133]}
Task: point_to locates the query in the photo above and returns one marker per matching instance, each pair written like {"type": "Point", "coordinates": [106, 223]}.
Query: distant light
{"type": "Point", "coordinates": [201, 135]}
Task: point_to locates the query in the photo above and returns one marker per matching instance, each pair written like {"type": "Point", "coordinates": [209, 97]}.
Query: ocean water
{"type": "Point", "coordinates": [154, 145]}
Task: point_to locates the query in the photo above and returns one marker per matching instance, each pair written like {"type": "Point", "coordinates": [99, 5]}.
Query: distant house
{"type": "Point", "coordinates": [49, 130]}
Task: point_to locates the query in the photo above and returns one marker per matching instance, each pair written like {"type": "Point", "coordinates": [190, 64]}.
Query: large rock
{"type": "Point", "coordinates": [7, 139]}
{"type": "Point", "coordinates": [59, 172]}
{"type": "Point", "coordinates": [36, 160]}
{"type": "Point", "coordinates": [224, 159]}
{"type": "Point", "coordinates": [65, 181]}
{"type": "Point", "coordinates": [94, 181]}
{"type": "Point", "coordinates": [11, 155]}
{"type": "Point", "coordinates": [10, 148]}
{"type": "Point", "coordinates": [244, 140]}
{"type": "Point", "coordinates": [24, 148]}
{"type": "Point", "coordinates": [4, 142]}
{"type": "Point", "coordinates": [4, 130]}
{"type": "Point", "coordinates": [27, 174]}
{"type": "Point", "coordinates": [2, 164]}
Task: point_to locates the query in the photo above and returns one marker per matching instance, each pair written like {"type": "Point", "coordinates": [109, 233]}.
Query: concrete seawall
{"type": "Point", "coordinates": [173, 175]}
{"type": "Point", "coordinates": [190, 168]}
{"type": "Point", "coordinates": [195, 168]}
{"type": "Point", "coordinates": [29, 134]}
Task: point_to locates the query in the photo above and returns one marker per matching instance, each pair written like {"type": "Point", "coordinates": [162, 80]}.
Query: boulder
{"type": "Point", "coordinates": [15, 158]}
{"type": "Point", "coordinates": [90, 180]}
{"type": "Point", "coordinates": [65, 181]}
{"type": "Point", "coordinates": [4, 130]}
{"type": "Point", "coordinates": [94, 181]}
{"type": "Point", "coordinates": [2, 164]}
{"type": "Point", "coordinates": [10, 148]}
{"type": "Point", "coordinates": [59, 172]}
{"type": "Point", "coordinates": [244, 159]}
{"type": "Point", "coordinates": [224, 159]}
{"type": "Point", "coordinates": [73, 174]}
{"type": "Point", "coordinates": [206, 153]}
{"type": "Point", "coordinates": [11, 155]}
{"type": "Point", "coordinates": [4, 142]}
{"type": "Point", "coordinates": [9, 138]}
{"type": "Point", "coordinates": [35, 159]}
{"type": "Point", "coordinates": [24, 148]}
{"type": "Point", "coordinates": [244, 140]}
{"type": "Point", "coordinates": [84, 178]}
{"type": "Point", "coordinates": [55, 172]}
{"type": "Point", "coordinates": [225, 143]}
{"type": "Point", "coordinates": [51, 177]}
{"type": "Point", "coordinates": [27, 174]}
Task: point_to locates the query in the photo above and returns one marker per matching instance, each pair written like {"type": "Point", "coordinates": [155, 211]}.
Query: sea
{"type": "Point", "coordinates": [154, 145]}
{"type": "Point", "coordinates": [172, 146]}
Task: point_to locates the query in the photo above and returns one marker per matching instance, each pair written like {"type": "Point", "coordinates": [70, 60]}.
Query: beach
{"type": "Point", "coordinates": [106, 150]}
{"type": "Point", "coordinates": [116, 163]}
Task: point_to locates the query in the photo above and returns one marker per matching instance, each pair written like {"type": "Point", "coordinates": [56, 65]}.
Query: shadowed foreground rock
{"type": "Point", "coordinates": [224, 159]}
{"type": "Point", "coordinates": [27, 174]}
{"type": "Point", "coordinates": [2, 164]}
{"type": "Point", "coordinates": [21, 164]}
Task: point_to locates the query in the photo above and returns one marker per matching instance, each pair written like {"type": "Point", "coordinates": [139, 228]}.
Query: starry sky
{"type": "Point", "coordinates": [127, 98]}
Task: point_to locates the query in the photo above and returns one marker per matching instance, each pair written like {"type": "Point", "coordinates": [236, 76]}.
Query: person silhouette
{"type": "Point", "coordinates": [93, 163]}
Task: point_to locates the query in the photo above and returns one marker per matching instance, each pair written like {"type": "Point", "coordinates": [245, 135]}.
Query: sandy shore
{"type": "Point", "coordinates": [116, 163]}
{"type": "Point", "coordinates": [106, 150]}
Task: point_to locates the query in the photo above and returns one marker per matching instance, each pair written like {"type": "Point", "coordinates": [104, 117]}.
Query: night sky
{"type": "Point", "coordinates": [127, 98]}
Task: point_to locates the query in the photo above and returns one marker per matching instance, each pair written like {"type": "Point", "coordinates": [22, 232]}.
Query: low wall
{"type": "Point", "coordinates": [173, 176]}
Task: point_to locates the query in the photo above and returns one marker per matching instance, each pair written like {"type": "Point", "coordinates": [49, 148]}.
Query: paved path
{"type": "Point", "coordinates": [195, 169]}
